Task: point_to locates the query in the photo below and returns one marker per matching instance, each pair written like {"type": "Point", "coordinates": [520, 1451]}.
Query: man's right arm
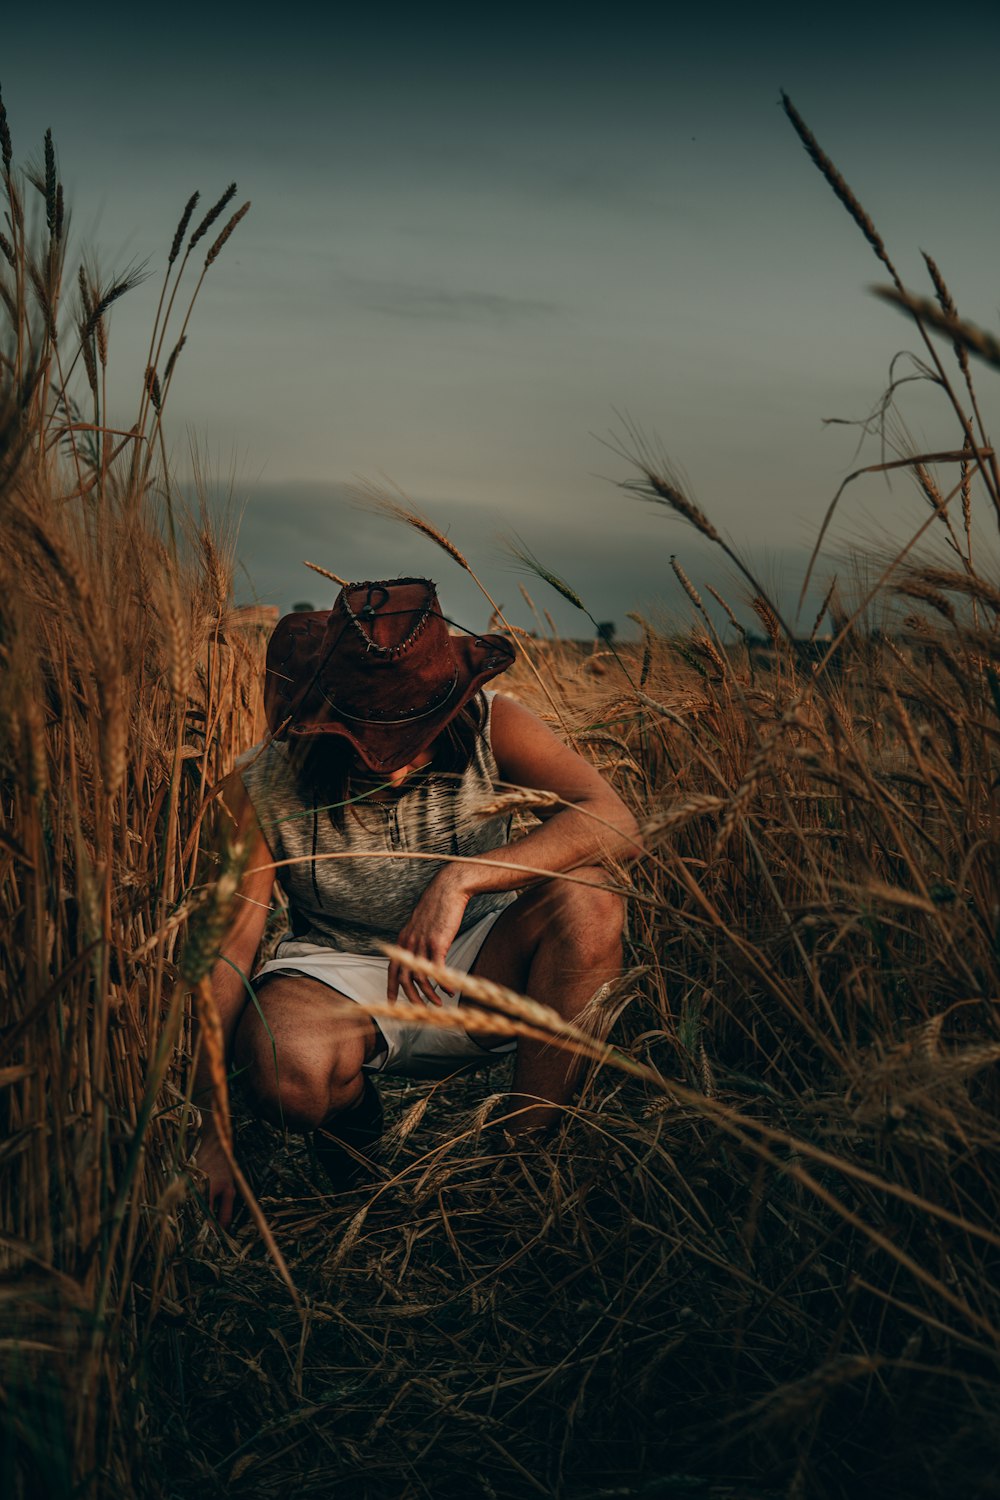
{"type": "Point", "coordinates": [234, 965]}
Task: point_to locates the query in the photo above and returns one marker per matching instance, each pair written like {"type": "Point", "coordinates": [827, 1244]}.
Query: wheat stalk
{"type": "Point", "coordinates": [325, 573]}
{"type": "Point", "coordinates": [520, 797]}
{"type": "Point", "coordinates": [227, 231]}
{"type": "Point", "coordinates": [209, 219]}
{"type": "Point", "coordinates": [6, 146]}
{"type": "Point", "coordinates": [181, 230]}
{"type": "Point", "coordinates": [835, 180]}
{"type": "Point", "coordinates": [977, 341]}
{"type": "Point", "coordinates": [519, 1015]}
{"type": "Point", "coordinates": [767, 617]}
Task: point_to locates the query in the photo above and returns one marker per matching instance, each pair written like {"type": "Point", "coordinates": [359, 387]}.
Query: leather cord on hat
{"type": "Point", "coordinates": [388, 614]}
{"type": "Point", "coordinates": [368, 609]}
{"type": "Point", "coordinates": [410, 718]}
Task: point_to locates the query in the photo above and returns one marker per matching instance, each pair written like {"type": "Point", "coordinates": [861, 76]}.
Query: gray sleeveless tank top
{"type": "Point", "coordinates": [350, 889]}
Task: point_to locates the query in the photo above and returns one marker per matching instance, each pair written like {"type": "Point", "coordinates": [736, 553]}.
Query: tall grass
{"type": "Point", "coordinates": [760, 1257]}
{"type": "Point", "coordinates": [126, 689]}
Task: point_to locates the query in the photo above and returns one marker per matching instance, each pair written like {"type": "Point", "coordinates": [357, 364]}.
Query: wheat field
{"type": "Point", "coordinates": [760, 1258]}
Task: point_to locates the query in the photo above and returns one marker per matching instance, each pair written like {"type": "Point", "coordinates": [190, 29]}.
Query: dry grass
{"type": "Point", "coordinates": [761, 1256]}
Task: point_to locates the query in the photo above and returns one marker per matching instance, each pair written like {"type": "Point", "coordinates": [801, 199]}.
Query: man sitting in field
{"type": "Point", "coordinates": [365, 802]}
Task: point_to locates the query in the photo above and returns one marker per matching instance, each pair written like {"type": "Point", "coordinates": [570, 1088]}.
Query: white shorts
{"type": "Point", "coordinates": [411, 1050]}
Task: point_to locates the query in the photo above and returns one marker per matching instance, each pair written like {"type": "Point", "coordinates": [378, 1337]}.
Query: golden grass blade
{"type": "Point", "coordinates": [325, 573]}
{"type": "Point", "coordinates": [978, 341]}
{"type": "Point", "coordinates": [211, 1039]}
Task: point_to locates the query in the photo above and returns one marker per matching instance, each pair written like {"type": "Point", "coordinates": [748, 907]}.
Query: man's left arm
{"type": "Point", "coordinates": [591, 826]}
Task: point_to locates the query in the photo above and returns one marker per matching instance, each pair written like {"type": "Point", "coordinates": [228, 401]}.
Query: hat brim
{"type": "Point", "coordinates": [390, 747]}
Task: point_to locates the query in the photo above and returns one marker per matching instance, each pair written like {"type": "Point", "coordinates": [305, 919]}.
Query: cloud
{"type": "Point", "coordinates": [617, 561]}
{"type": "Point", "coordinates": [401, 299]}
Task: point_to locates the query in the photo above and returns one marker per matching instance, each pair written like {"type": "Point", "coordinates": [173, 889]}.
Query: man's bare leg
{"type": "Point", "coordinates": [558, 943]}
{"type": "Point", "coordinates": [303, 1067]}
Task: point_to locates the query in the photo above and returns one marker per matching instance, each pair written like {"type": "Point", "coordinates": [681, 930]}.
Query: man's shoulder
{"type": "Point", "coordinates": [264, 765]}
{"type": "Point", "coordinates": [249, 757]}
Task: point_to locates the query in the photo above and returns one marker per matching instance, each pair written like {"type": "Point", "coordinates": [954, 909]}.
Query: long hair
{"type": "Point", "coordinates": [323, 764]}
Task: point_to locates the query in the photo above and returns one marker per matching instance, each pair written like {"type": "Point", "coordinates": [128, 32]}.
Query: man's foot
{"type": "Point", "coordinates": [347, 1147]}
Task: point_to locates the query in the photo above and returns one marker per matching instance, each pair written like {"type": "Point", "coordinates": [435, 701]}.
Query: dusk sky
{"type": "Point", "coordinates": [476, 235]}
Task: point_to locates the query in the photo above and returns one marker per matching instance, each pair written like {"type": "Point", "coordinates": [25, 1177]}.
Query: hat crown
{"type": "Point", "coordinates": [388, 616]}
{"type": "Point", "coordinates": [379, 668]}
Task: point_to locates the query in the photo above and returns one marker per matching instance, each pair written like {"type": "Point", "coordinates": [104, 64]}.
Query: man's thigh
{"type": "Point", "coordinates": [304, 1021]}
{"type": "Point", "coordinates": [512, 941]}
{"type": "Point", "coordinates": [505, 957]}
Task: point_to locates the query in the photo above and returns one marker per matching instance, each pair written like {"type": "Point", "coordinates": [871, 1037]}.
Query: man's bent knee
{"type": "Point", "coordinates": [581, 913]}
{"type": "Point", "coordinates": [299, 1076]}
{"type": "Point", "coordinates": [286, 1093]}
{"type": "Point", "coordinates": [577, 917]}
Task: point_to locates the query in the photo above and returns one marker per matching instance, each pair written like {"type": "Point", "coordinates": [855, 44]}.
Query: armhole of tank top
{"type": "Point", "coordinates": [255, 762]}
{"type": "Point", "coordinates": [487, 758]}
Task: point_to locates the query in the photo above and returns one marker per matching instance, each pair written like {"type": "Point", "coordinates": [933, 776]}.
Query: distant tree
{"type": "Point", "coordinates": [303, 608]}
{"type": "Point", "coordinates": [606, 630]}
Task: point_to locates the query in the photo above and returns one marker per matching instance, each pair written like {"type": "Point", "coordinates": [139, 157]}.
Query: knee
{"type": "Point", "coordinates": [281, 1089]}
{"type": "Point", "coordinates": [587, 918]}
{"type": "Point", "coordinates": [292, 1087]}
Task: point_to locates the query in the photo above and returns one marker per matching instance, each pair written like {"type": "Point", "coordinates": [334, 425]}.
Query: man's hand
{"type": "Point", "coordinates": [211, 1159]}
{"type": "Point", "coordinates": [430, 932]}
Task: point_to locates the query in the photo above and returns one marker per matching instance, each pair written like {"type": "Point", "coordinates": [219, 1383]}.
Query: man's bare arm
{"type": "Point", "coordinates": [589, 826]}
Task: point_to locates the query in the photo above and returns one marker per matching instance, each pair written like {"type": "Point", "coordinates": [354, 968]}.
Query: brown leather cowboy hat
{"type": "Point", "coordinates": [380, 668]}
